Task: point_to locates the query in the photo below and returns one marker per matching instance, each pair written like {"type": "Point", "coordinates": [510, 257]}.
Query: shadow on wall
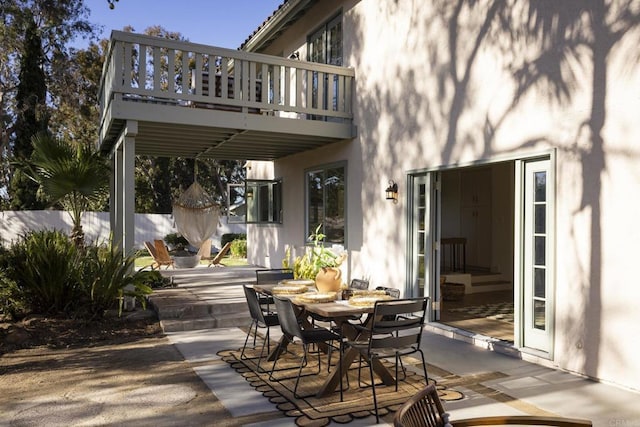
{"type": "Point", "coordinates": [563, 41]}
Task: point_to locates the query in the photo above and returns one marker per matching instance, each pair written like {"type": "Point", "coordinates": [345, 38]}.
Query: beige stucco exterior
{"type": "Point", "coordinates": [407, 119]}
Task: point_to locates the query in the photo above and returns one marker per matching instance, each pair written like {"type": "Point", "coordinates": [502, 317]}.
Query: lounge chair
{"type": "Point", "coordinates": [159, 253]}
{"type": "Point", "coordinates": [216, 260]}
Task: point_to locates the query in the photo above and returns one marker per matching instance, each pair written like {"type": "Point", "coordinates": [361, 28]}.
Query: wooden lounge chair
{"type": "Point", "coordinates": [160, 254]}
{"type": "Point", "coordinates": [425, 409]}
{"type": "Point", "coordinates": [216, 260]}
{"type": "Point", "coordinates": [152, 252]}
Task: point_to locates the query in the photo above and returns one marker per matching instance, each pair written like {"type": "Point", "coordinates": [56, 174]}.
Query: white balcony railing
{"type": "Point", "coordinates": [157, 70]}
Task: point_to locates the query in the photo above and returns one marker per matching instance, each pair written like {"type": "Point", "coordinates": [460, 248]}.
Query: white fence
{"type": "Point", "coordinates": [96, 225]}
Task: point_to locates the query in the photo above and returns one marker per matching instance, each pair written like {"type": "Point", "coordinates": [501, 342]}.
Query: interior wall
{"type": "Point", "coordinates": [502, 212]}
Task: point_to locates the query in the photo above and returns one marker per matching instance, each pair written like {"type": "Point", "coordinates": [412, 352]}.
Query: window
{"type": "Point", "coordinates": [262, 203]}
{"type": "Point", "coordinates": [325, 46]}
{"type": "Point", "coordinates": [326, 198]}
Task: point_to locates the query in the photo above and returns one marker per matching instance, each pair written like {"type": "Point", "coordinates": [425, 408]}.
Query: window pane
{"type": "Point", "coordinates": [539, 288]}
{"type": "Point", "coordinates": [326, 203]}
{"type": "Point", "coordinates": [540, 219]}
{"type": "Point", "coordinates": [541, 186]}
{"type": "Point", "coordinates": [334, 211]}
{"type": "Point", "coordinates": [334, 42]}
{"type": "Point", "coordinates": [421, 244]}
{"type": "Point", "coordinates": [422, 192]}
{"type": "Point", "coordinates": [264, 201]}
{"type": "Point", "coordinates": [252, 202]}
{"type": "Point", "coordinates": [539, 315]}
{"type": "Point", "coordinates": [315, 192]}
{"type": "Point", "coordinates": [316, 47]}
{"type": "Point", "coordinates": [276, 213]}
{"type": "Point", "coordinates": [236, 204]}
{"type": "Point", "coordinates": [539, 250]}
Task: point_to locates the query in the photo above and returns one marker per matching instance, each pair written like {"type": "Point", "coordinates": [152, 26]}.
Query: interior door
{"type": "Point", "coordinates": [537, 254]}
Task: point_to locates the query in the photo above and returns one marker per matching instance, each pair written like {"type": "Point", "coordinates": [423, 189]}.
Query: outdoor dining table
{"type": "Point", "coordinates": [339, 312]}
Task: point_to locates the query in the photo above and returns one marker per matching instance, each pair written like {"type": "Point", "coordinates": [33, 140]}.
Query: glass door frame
{"type": "Point", "coordinates": [424, 242]}
{"type": "Point", "coordinates": [523, 268]}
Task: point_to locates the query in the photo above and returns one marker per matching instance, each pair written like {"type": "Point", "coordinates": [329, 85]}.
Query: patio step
{"type": "Point", "coordinates": [204, 322]}
{"type": "Point", "coordinates": [191, 308]}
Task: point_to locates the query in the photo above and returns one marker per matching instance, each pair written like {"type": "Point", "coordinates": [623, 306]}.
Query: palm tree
{"type": "Point", "coordinates": [72, 176]}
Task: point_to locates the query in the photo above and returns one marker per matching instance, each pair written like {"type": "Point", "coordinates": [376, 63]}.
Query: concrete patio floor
{"type": "Point", "coordinates": [493, 383]}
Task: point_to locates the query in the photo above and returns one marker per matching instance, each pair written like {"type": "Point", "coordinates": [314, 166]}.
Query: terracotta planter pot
{"type": "Point", "coordinates": [329, 279]}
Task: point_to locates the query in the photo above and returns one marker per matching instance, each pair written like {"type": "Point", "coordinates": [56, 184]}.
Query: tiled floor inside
{"type": "Point", "coordinates": [482, 313]}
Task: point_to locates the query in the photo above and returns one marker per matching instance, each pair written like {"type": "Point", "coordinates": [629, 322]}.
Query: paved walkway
{"type": "Point", "coordinates": [493, 383]}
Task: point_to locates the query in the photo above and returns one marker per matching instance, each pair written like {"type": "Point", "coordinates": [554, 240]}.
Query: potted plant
{"type": "Point", "coordinates": [319, 263]}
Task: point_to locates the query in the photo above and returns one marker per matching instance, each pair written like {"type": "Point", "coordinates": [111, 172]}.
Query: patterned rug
{"type": "Point", "coordinates": [314, 411]}
{"type": "Point", "coordinates": [500, 311]}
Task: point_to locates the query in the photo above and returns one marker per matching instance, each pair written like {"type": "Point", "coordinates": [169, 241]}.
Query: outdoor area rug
{"type": "Point", "coordinates": [313, 411]}
{"type": "Point", "coordinates": [499, 311]}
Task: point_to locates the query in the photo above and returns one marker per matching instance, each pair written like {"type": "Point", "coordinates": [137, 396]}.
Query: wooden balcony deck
{"type": "Point", "coordinates": [192, 100]}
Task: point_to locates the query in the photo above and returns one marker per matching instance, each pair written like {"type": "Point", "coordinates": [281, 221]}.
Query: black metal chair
{"type": "Point", "coordinates": [392, 292]}
{"type": "Point", "coordinates": [395, 330]}
{"type": "Point", "coordinates": [356, 284]}
{"type": "Point", "coordinates": [291, 330]}
{"type": "Point", "coordinates": [271, 275]}
{"type": "Point", "coordinates": [360, 284]}
{"type": "Point", "coordinates": [259, 319]}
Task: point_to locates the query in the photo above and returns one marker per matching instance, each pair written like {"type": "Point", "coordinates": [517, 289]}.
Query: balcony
{"type": "Point", "coordinates": [199, 101]}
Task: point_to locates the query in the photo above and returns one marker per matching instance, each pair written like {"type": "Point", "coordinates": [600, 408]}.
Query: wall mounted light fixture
{"type": "Point", "coordinates": [392, 192]}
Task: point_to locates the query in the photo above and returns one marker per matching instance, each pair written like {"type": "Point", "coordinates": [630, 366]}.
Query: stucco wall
{"type": "Point", "coordinates": [418, 109]}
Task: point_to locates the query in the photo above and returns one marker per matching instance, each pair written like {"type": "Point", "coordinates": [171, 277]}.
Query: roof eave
{"type": "Point", "coordinates": [280, 19]}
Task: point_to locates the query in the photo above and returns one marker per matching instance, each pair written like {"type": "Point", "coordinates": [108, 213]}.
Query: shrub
{"type": "Point", "coordinates": [11, 303]}
{"type": "Point", "coordinates": [230, 237]}
{"type": "Point", "coordinates": [239, 248]}
{"type": "Point", "coordinates": [45, 270]}
{"type": "Point", "coordinates": [176, 241]}
{"type": "Point", "coordinates": [106, 279]}
{"type": "Point", "coordinates": [45, 273]}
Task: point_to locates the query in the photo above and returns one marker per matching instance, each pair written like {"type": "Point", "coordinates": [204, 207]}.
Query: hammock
{"type": "Point", "coordinates": [196, 215]}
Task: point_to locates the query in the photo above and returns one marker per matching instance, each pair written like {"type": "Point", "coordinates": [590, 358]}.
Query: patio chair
{"type": "Point", "coordinates": [425, 409]}
{"type": "Point", "coordinates": [360, 284]}
{"type": "Point", "coordinates": [400, 336]}
{"type": "Point", "coordinates": [259, 319]}
{"type": "Point", "coordinates": [356, 284]}
{"type": "Point", "coordinates": [159, 253]}
{"type": "Point", "coordinates": [215, 261]}
{"type": "Point", "coordinates": [392, 292]}
{"type": "Point", "coordinates": [291, 330]}
{"type": "Point", "coordinates": [149, 247]}
{"type": "Point", "coordinates": [271, 275]}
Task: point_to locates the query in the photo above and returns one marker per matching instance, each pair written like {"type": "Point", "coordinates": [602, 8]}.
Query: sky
{"type": "Point", "coordinates": [221, 23]}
